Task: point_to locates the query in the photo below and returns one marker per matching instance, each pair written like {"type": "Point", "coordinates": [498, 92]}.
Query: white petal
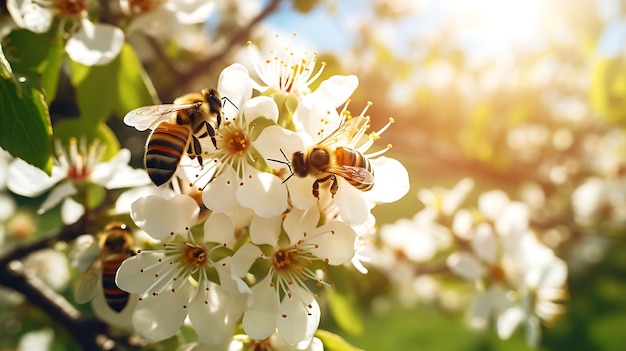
{"type": "Point", "coordinates": [480, 310]}
{"type": "Point", "coordinates": [265, 230]}
{"type": "Point", "coordinates": [353, 206]}
{"type": "Point", "coordinates": [231, 283]}
{"type": "Point", "coordinates": [60, 192]}
{"type": "Point", "coordinates": [484, 243]}
{"type": "Point", "coordinates": [300, 192]}
{"type": "Point", "coordinates": [298, 222]}
{"type": "Point", "coordinates": [136, 274]}
{"type": "Point", "coordinates": [262, 192]}
{"type": "Point", "coordinates": [219, 228]}
{"type": "Point", "coordinates": [29, 15]}
{"type": "Point", "coordinates": [95, 44]}
{"type": "Point", "coordinates": [160, 217]}
{"type": "Point", "coordinates": [27, 180]}
{"type": "Point", "coordinates": [391, 180]}
{"type": "Point", "coordinates": [260, 106]}
{"type": "Point", "coordinates": [213, 314]}
{"type": "Point", "coordinates": [191, 11]}
{"type": "Point", "coordinates": [116, 173]}
{"type": "Point", "coordinates": [244, 258]}
{"type": "Point", "coordinates": [259, 322]}
{"type": "Point", "coordinates": [465, 265]}
{"type": "Point", "coordinates": [462, 224]}
{"type": "Point", "coordinates": [38, 340]}
{"type": "Point", "coordinates": [234, 84]}
{"type": "Point", "coordinates": [125, 200]}
{"type": "Point", "coordinates": [71, 211]}
{"type": "Point", "coordinates": [508, 321]}
{"type": "Point", "coordinates": [219, 195]}
{"type": "Point", "coordinates": [491, 203]}
{"type": "Point", "coordinates": [159, 317]}
{"type": "Point", "coordinates": [334, 242]}
{"type": "Point", "coordinates": [555, 276]}
{"type": "Point", "coordinates": [274, 141]}
{"type": "Point", "coordinates": [296, 323]}
{"type": "Point", "coordinates": [333, 91]}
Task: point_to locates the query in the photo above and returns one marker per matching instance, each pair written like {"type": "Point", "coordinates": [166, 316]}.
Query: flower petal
{"type": "Point", "coordinates": [484, 243]}
{"type": "Point", "coordinates": [298, 222]}
{"type": "Point", "coordinates": [27, 180]}
{"type": "Point", "coordinates": [296, 323]}
{"type": "Point", "coordinates": [214, 313]}
{"type": "Point", "coordinates": [260, 106]}
{"type": "Point", "coordinates": [465, 265]}
{"type": "Point", "coordinates": [160, 217]}
{"type": "Point", "coordinates": [95, 44]}
{"type": "Point", "coordinates": [159, 317]}
{"type": "Point", "coordinates": [244, 258]}
{"type": "Point", "coordinates": [220, 228]}
{"type": "Point", "coordinates": [71, 211]}
{"type": "Point", "coordinates": [300, 192]}
{"type": "Point", "coordinates": [234, 84]}
{"type": "Point", "coordinates": [278, 144]}
{"type": "Point", "coordinates": [333, 91]}
{"type": "Point", "coordinates": [259, 322]}
{"type": "Point", "coordinates": [60, 192]}
{"type": "Point", "coordinates": [262, 192]}
{"type": "Point", "coordinates": [334, 242]}
{"type": "Point", "coordinates": [136, 273]}
{"type": "Point", "coordinates": [265, 230]}
{"type": "Point", "coordinates": [392, 180]}
{"type": "Point", "coordinates": [353, 206]}
{"type": "Point", "coordinates": [219, 195]}
{"type": "Point", "coordinates": [29, 15]}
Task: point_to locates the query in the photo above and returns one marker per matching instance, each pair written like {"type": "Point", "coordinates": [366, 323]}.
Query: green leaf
{"type": "Point", "coordinates": [334, 342]}
{"type": "Point", "coordinates": [83, 127]}
{"type": "Point", "coordinates": [38, 57]}
{"type": "Point", "coordinates": [345, 310]}
{"type": "Point", "coordinates": [25, 128]}
{"type": "Point", "coordinates": [115, 88]}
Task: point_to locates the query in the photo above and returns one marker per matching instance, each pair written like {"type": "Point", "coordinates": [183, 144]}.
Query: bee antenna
{"type": "Point", "coordinates": [285, 162]}
{"type": "Point", "coordinates": [225, 98]}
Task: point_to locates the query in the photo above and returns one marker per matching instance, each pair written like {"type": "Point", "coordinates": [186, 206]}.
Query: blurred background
{"type": "Point", "coordinates": [528, 97]}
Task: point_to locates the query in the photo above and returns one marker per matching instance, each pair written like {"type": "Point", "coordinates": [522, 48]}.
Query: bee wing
{"type": "Point", "coordinates": [345, 134]}
{"type": "Point", "coordinates": [87, 285]}
{"type": "Point", "coordinates": [146, 117]}
{"type": "Point", "coordinates": [358, 174]}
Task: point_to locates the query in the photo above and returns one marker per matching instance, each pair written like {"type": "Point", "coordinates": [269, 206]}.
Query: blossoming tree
{"type": "Point", "coordinates": [283, 221]}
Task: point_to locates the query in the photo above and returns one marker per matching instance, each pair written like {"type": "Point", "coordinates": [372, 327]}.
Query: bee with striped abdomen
{"type": "Point", "coordinates": [177, 128]}
{"type": "Point", "coordinates": [331, 158]}
{"type": "Point", "coordinates": [115, 244]}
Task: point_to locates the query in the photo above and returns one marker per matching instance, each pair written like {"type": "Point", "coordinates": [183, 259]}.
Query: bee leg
{"type": "Point", "coordinates": [334, 185]}
{"type": "Point", "coordinates": [195, 150]}
{"type": "Point", "coordinates": [210, 131]}
{"type": "Point", "coordinates": [316, 188]}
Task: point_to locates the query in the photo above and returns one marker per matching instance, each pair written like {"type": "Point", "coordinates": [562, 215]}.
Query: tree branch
{"type": "Point", "coordinates": [238, 38]}
{"type": "Point", "coordinates": [89, 333]}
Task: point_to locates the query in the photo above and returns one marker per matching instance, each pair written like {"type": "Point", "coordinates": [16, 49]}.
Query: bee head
{"type": "Point", "coordinates": [299, 164]}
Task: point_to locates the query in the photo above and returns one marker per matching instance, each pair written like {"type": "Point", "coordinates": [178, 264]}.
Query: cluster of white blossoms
{"type": "Point", "coordinates": [98, 43]}
{"type": "Point", "coordinates": [517, 279]}
{"type": "Point", "coordinates": [258, 255]}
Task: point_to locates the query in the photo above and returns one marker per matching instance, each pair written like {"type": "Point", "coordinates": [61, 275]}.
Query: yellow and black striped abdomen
{"type": "Point", "coordinates": [115, 297]}
{"type": "Point", "coordinates": [164, 149]}
{"type": "Point", "coordinates": [350, 157]}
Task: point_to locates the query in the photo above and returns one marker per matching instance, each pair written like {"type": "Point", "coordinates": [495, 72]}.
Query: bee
{"type": "Point", "coordinates": [177, 127]}
{"type": "Point", "coordinates": [115, 246]}
{"type": "Point", "coordinates": [331, 158]}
